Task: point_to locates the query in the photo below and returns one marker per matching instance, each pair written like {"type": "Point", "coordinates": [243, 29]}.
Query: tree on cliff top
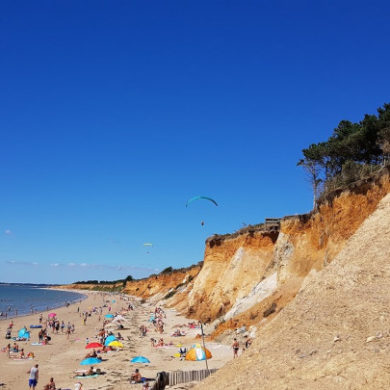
{"type": "Point", "coordinates": [351, 152]}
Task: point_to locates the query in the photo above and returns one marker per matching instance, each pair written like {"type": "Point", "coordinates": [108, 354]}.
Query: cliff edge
{"type": "Point", "coordinates": [336, 332]}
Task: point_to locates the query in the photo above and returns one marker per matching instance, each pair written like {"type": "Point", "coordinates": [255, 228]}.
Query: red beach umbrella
{"type": "Point", "coordinates": [94, 345]}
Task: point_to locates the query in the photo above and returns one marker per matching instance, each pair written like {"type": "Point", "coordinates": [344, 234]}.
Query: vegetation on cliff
{"type": "Point", "coordinates": [353, 152]}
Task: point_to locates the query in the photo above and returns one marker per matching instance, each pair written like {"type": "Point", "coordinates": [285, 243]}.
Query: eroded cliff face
{"type": "Point", "coordinates": [231, 269]}
{"type": "Point", "coordinates": [306, 244]}
{"type": "Point", "coordinates": [163, 285]}
{"type": "Point", "coordinates": [335, 333]}
{"type": "Point", "coordinates": [249, 276]}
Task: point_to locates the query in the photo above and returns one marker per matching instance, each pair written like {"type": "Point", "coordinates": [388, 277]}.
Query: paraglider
{"type": "Point", "coordinates": [200, 197]}
{"type": "Point", "coordinates": [148, 245]}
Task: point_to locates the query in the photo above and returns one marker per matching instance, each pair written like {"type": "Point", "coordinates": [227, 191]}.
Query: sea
{"type": "Point", "coordinates": [19, 300]}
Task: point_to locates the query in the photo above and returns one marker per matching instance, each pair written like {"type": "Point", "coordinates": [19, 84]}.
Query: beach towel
{"type": "Point", "coordinates": [30, 358]}
{"type": "Point", "coordinates": [86, 376]}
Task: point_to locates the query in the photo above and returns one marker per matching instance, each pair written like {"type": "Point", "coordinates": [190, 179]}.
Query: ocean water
{"type": "Point", "coordinates": [22, 300]}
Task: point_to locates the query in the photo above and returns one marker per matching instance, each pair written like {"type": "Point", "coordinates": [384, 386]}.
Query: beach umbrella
{"type": "Point", "coordinates": [198, 353]}
{"type": "Point", "coordinates": [116, 344]}
{"type": "Point", "coordinates": [140, 359]}
{"type": "Point", "coordinates": [109, 339]}
{"type": "Point", "coordinates": [109, 316]}
{"type": "Point", "coordinates": [113, 301]}
{"type": "Point", "coordinates": [90, 361]}
{"type": "Point", "coordinates": [94, 345]}
{"type": "Point", "coordinates": [52, 314]}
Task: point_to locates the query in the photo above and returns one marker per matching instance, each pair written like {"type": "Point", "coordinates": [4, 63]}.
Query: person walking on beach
{"type": "Point", "coordinates": [236, 347]}
{"type": "Point", "coordinates": [33, 378]}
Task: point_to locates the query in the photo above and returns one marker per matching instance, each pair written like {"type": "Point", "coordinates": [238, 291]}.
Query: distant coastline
{"type": "Point", "coordinates": [22, 299]}
{"type": "Point", "coordinates": [28, 284]}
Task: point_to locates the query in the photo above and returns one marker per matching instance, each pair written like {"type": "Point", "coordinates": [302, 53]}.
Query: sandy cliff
{"type": "Point", "coordinates": [248, 277]}
{"type": "Point", "coordinates": [164, 284]}
{"type": "Point", "coordinates": [336, 333]}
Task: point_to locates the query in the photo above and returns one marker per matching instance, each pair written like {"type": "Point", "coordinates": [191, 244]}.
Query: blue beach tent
{"type": "Point", "coordinates": [23, 334]}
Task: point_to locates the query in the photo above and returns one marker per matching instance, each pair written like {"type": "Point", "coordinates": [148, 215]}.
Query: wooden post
{"type": "Point", "coordinates": [204, 346]}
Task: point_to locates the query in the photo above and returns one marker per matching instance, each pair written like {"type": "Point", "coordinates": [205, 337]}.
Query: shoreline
{"type": "Point", "coordinates": [82, 297]}
{"type": "Point", "coordinates": [63, 355]}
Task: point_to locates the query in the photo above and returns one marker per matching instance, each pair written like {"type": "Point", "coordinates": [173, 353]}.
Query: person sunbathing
{"type": "Point", "coordinates": [160, 342]}
{"type": "Point", "coordinates": [51, 385]}
{"type": "Point", "coordinates": [136, 376]}
{"type": "Point", "coordinates": [90, 371]}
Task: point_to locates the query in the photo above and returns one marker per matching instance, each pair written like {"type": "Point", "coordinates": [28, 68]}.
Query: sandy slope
{"type": "Point", "coordinates": [62, 357]}
{"type": "Point", "coordinates": [336, 333]}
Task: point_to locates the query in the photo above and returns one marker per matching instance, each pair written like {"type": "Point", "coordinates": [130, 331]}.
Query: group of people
{"type": "Point", "coordinates": [236, 346]}
{"type": "Point", "coordinates": [155, 344]}
{"type": "Point", "coordinates": [157, 319]}
{"type": "Point", "coordinates": [16, 353]}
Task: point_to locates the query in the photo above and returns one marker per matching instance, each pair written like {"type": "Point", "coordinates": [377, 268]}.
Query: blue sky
{"type": "Point", "coordinates": [113, 114]}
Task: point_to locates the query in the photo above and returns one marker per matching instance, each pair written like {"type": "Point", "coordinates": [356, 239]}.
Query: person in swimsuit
{"type": "Point", "coordinates": [136, 377]}
{"type": "Point", "coordinates": [236, 347]}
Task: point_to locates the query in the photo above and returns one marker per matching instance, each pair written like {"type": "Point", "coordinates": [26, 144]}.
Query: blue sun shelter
{"type": "Point", "coordinates": [140, 359]}
{"type": "Point", "coordinates": [90, 361]}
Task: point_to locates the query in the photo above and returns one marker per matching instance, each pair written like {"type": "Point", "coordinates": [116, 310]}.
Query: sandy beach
{"type": "Point", "coordinates": [61, 358]}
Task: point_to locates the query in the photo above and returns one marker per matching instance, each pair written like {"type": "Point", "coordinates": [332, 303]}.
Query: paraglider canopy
{"type": "Point", "coordinates": [148, 244]}
{"type": "Point", "coordinates": [200, 197]}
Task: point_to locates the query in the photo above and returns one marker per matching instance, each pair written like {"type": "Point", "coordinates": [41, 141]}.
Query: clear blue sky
{"type": "Point", "coordinates": [114, 113]}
